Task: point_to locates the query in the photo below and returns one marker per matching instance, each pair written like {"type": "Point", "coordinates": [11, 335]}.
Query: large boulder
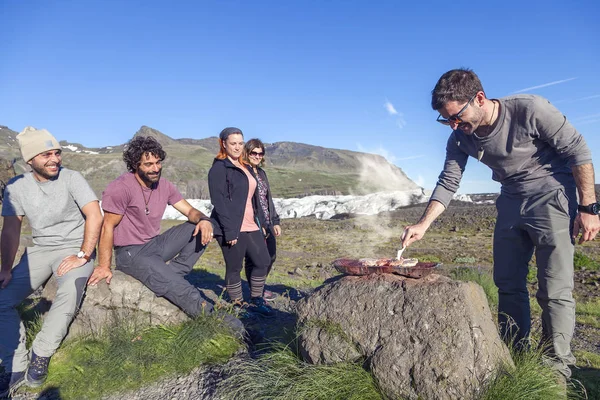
{"type": "Point", "coordinates": [430, 338]}
{"type": "Point", "coordinates": [125, 301]}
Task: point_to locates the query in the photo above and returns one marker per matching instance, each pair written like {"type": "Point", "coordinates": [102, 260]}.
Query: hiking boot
{"type": "Point", "coordinates": [10, 382]}
{"type": "Point", "coordinates": [258, 305]}
{"type": "Point", "coordinates": [37, 371]}
{"type": "Point", "coordinates": [232, 322]}
{"type": "Point", "coordinates": [269, 296]}
{"type": "Point", "coordinates": [240, 308]}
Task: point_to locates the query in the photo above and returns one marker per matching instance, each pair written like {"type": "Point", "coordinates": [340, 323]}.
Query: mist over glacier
{"type": "Point", "coordinates": [325, 207]}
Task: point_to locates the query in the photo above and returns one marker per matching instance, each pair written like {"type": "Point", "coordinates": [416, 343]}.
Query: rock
{"type": "Point", "coordinates": [124, 300]}
{"type": "Point", "coordinates": [298, 271]}
{"type": "Point", "coordinates": [7, 172]}
{"type": "Point", "coordinates": [432, 338]}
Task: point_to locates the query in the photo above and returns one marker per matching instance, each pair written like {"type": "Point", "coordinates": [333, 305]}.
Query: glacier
{"type": "Point", "coordinates": [325, 207]}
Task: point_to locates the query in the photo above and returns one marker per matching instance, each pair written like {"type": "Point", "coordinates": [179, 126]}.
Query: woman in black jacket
{"type": "Point", "coordinates": [254, 153]}
{"type": "Point", "coordinates": [240, 221]}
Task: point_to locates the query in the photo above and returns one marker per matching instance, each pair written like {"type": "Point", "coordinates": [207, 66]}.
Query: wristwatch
{"type": "Point", "coordinates": [593, 208]}
{"type": "Point", "coordinates": [82, 254]}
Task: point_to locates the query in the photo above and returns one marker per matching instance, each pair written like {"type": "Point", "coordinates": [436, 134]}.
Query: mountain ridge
{"type": "Point", "coordinates": [294, 169]}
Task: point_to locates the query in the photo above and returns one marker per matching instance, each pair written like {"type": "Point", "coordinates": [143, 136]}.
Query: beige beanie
{"type": "Point", "coordinates": [35, 141]}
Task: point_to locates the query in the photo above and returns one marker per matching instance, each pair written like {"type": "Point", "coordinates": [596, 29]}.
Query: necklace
{"type": "Point", "coordinates": [492, 116]}
{"type": "Point", "coordinates": [146, 201]}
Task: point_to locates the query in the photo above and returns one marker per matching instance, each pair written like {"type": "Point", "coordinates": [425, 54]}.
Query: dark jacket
{"type": "Point", "coordinates": [272, 211]}
{"type": "Point", "coordinates": [228, 187]}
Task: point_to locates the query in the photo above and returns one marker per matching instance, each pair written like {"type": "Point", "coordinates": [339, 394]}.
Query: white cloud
{"type": "Point", "coordinates": [595, 96]}
{"type": "Point", "coordinates": [544, 85]}
{"type": "Point", "coordinates": [390, 108]}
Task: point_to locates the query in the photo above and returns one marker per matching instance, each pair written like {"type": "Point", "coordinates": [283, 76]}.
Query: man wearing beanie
{"type": "Point", "coordinates": [65, 219]}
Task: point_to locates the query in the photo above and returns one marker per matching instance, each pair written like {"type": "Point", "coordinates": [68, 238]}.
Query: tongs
{"type": "Point", "coordinates": [399, 256]}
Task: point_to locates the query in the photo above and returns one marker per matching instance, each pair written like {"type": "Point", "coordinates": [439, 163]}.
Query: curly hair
{"type": "Point", "coordinates": [251, 145]}
{"type": "Point", "coordinates": [137, 147]}
{"type": "Point", "coordinates": [455, 85]}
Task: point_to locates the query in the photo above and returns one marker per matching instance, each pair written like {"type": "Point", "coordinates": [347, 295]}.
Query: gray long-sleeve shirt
{"type": "Point", "coordinates": [530, 151]}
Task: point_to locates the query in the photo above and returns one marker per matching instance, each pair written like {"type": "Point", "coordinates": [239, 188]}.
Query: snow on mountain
{"type": "Point", "coordinates": [325, 207]}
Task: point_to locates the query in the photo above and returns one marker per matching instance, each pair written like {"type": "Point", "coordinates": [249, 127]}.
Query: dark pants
{"type": "Point", "coordinates": [271, 246]}
{"type": "Point", "coordinates": [250, 245]}
{"type": "Point", "coordinates": [540, 224]}
{"type": "Point", "coordinates": [148, 264]}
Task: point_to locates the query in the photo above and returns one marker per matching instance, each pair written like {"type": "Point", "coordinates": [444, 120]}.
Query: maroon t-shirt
{"type": "Point", "coordinates": [125, 196]}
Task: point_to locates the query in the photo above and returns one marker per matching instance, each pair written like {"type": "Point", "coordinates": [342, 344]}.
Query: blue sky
{"type": "Point", "coordinates": [352, 75]}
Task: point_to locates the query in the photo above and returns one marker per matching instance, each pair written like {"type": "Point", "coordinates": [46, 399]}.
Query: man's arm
{"type": "Point", "coordinates": [105, 248]}
{"type": "Point", "coordinates": [203, 224]}
{"type": "Point", "coordinates": [587, 224]}
{"type": "Point", "coordinates": [9, 244]}
{"type": "Point", "coordinates": [416, 232]}
{"type": "Point", "coordinates": [93, 223]}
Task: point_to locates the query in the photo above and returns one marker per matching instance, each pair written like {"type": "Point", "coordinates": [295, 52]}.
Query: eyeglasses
{"type": "Point", "coordinates": [256, 154]}
{"type": "Point", "coordinates": [456, 117]}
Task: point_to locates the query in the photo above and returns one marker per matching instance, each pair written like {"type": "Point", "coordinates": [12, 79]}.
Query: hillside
{"type": "Point", "coordinates": [294, 169]}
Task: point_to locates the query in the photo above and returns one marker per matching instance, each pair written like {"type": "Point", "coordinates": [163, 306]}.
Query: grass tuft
{"type": "Point", "coordinates": [124, 359]}
{"type": "Point", "coordinates": [529, 379]}
{"type": "Point", "coordinates": [280, 375]}
{"type": "Point", "coordinates": [480, 276]}
{"type": "Point", "coordinates": [583, 261]}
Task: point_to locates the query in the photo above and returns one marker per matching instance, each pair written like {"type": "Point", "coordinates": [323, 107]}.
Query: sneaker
{"type": "Point", "coordinates": [269, 296]}
{"type": "Point", "coordinates": [10, 382]}
{"type": "Point", "coordinates": [37, 371]}
{"type": "Point", "coordinates": [259, 305]}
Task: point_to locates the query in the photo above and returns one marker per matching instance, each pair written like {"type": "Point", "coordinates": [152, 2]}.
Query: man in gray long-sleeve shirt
{"type": "Point", "coordinates": [541, 162]}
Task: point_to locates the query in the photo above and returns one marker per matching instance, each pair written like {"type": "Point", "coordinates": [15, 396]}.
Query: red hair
{"type": "Point", "coordinates": [223, 153]}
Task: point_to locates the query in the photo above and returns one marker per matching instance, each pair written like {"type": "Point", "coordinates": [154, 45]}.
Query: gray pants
{"type": "Point", "coordinates": [148, 264]}
{"type": "Point", "coordinates": [540, 224]}
{"type": "Point", "coordinates": [33, 270]}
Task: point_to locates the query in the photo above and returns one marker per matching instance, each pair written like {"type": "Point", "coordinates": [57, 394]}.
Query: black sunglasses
{"type": "Point", "coordinates": [256, 154]}
{"type": "Point", "coordinates": [456, 117]}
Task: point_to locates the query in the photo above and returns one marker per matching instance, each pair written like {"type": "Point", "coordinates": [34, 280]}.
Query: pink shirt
{"type": "Point", "coordinates": [125, 196]}
{"type": "Point", "coordinates": [248, 224]}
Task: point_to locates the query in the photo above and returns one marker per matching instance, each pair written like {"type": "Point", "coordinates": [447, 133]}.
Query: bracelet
{"type": "Point", "coordinates": [205, 219]}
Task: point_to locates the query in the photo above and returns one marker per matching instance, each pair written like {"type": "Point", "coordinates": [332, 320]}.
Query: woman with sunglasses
{"type": "Point", "coordinates": [234, 195]}
{"type": "Point", "coordinates": [254, 154]}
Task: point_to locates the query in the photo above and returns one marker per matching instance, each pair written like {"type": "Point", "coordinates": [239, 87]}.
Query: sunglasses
{"type": "Point", "coordinates": [455, 119]}
{"type": "Point", "coordinates": [256, 154]}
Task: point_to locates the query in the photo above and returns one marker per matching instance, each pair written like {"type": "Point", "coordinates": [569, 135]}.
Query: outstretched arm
{"type": "Point", "coordinates": [587, 224]}
{"type": "Point", "coordinates": [11, 235]}
{"type": "Point", "coordinates": [105, 247]}
{"type": "Point", "coordinates": [416, 232]}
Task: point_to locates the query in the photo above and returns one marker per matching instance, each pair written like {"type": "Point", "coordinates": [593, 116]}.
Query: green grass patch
{"type": "Point", "coordinates": [529, 379]}
{"type": "Point", "coordinates": [588, 313]}
{"type": "Point", "coordinates": [124, 359]}
{"type": "Point", "coordinates": [480, 276]}
{"type": "Point", "coordinates": [583, 261]}
{"type": "Point", "coordinates": [587, 359]}
{"type": "Point", "coordinates": [464, 260]}
{"type": "Point", "coordinates": [280, 375]}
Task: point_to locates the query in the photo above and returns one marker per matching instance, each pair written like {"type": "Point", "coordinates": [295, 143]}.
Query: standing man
{"type": "Point", "coordinates": [541, 161]}
{"type": "Point", "coordinates": [133, 207]}
{"type": "Point", "coordinates": [65, 220]}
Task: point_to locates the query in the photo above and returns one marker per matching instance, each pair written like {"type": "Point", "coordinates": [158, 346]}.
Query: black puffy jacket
{"type": "Point", "coordinates": [228, 186]}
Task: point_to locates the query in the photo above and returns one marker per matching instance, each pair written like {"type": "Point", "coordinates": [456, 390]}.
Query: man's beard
{"type": "Point", "coordinates": [42, 171]}
{"type": "Point", "coordinates": [149, 179]}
